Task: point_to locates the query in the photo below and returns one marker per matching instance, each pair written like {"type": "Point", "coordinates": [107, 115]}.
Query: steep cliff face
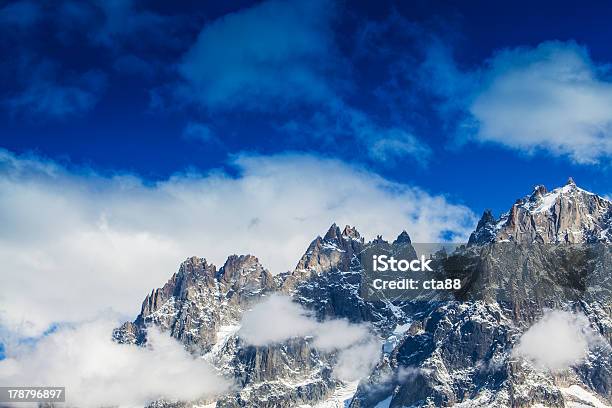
{"type": "Point", "coordinates": [290, 374]}
{"type": "Point", "coordinates": [550, 251]}
{"type": "Point", "coordinates": [194, 304]}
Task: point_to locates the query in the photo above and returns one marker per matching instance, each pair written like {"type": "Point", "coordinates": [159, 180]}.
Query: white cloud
{"type": "Point", "coordinates": [75, 242]}
{"type": "Point", "coordinates": [552, 97]}
{"type": "Point", "coordinates": [400, 145]}
{"type": "Point", "coordinates": [339, 334]}
{"type": "Point", "coordinates": [290, 320]}
{"type": "Point", "coordinates": [96, 371]}
{"type": "Point", "coordinates": [358, 349]}
{"type": "Point", "coordinates": [357, 361]}
{"type": "Point", "coordinates": [572, 339]}
{"type": "Point", "coordinates": [407, 373]}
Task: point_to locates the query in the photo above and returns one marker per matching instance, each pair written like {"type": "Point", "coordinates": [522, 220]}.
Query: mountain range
{"type": "Point", "coordinates": [549, 252]}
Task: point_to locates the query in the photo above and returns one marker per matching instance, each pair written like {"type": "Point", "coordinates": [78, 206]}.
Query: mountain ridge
{"type": "Point", "coordinates": [566, 214]}
{"type": "Point", "coordinates": [202, 306]}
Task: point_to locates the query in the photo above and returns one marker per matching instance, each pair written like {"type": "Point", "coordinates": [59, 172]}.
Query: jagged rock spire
{"type": "Point", "coordinates": [333, 232]}
{"type": "Point", "coordinates": [538, 191]}
{"type": "Point", "coordinates": [350, 232]}
{"type": "Point", "coordinates": [487, 217]}
{"type": "Point", "coordinates": [570, 182]}
{"type": "Point", "coordinates": [403, 238]}
{"type": "Point", "coordinates": [484, 230]}
{"type": "Point", "coordinates": [237, 265]}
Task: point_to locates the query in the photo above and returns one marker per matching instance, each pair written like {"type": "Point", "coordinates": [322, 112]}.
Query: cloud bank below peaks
{"type": "Point", "coordinates": [97, 372]}
{"type": "Point", "coordinates": [358, 349]}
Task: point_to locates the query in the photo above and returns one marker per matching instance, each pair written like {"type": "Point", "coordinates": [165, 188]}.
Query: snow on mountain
{"type": "Point", "coordinates": [434, 352]}
{"type": "Point", "coordinates": [566, 214]}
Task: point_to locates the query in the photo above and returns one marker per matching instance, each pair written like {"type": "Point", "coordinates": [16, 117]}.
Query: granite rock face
{"type": "Point", "coordinates": [280, 375]}
{"type": "Point", "coordinates": [198, 300]}
{"type": "Point", "coordinates": [549, 252]}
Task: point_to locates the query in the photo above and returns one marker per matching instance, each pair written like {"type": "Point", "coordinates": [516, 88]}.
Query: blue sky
{"type": "Point", "coordinates": [136, 134]}
{"type": "Point", "coordinates": [478, 101]}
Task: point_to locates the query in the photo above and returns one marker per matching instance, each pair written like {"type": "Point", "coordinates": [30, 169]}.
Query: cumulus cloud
{"type": "Point", "coordinates": [357, 361]}
{"type": "Point", "coordinates": [74, 242]}
{"type": "Point", "coordinates": [557, 341]}
{"type": "Point", "coordinates": [552, 97]}
{"type": "Point", "coordinates": [358, 349]}
{"type": "Point", "coordinates": [96, 371]}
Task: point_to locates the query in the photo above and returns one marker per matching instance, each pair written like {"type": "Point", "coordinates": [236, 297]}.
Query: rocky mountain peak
{"type": "Point", "coordinates": [439, 345]}
{"type": "Point", "coordinates": [195, 265]}
{"type": "Point", "coordinates": [351, 232]}
{"type": "Point", "coordinates": [335, 251]}
{"type": "Point", "coordinates": [487, 218]}
{"type": "Point", "coordinates": [538, 191]}
{"type": "Point", "coordinates": [379, 240]}
{"type": "Point", "coordinates": [239, 265]}
{"type": "Point", "coordinates": [485, 230]}
{"type": "Point", "coordinates": [198, 299]}
{"type": "Point", "coordinates": [243, 279]}
{"type": "Point", "coordinates": [333, 233]}
{"type": "Point", "coordinates": [192, 270]}
{"type": "Point", "coordinates": [402, 238]}
{"type": "Point", "coordinates": [566, 214]}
